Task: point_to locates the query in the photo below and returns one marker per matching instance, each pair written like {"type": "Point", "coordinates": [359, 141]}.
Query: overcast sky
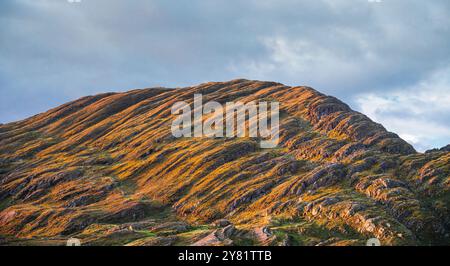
{"type": "Point", "coordinates": [389, 60]}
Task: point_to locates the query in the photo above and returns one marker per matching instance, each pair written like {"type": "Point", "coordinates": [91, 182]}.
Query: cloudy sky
{"type": "Point", "coordinates": [388, 59]}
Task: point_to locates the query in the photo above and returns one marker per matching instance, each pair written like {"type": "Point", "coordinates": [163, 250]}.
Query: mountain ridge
{"type": "Point", "coordinates": [91, 167]}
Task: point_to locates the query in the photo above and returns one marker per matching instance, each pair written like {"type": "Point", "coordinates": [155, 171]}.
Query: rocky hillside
{"type": "Point", "coordinates": [106, 169]}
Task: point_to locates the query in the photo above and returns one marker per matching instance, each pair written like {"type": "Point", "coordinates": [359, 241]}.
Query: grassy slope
{"type": "Point", "coordinates": [95, 166]}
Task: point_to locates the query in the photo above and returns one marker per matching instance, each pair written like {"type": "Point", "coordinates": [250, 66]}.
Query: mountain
{"type": "Point", "coordinates": [107, 170]}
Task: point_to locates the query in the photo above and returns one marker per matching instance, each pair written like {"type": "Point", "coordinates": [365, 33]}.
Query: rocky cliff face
{"type": "Point", "coordinates": [107, 169]}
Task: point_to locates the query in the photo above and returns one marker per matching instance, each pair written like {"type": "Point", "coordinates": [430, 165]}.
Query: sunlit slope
{"type": "Point", "coordinates": [109, 161]}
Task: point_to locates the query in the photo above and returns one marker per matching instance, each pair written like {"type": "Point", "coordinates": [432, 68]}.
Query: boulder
{"type": "Point", "coordinates": [221, 223]}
